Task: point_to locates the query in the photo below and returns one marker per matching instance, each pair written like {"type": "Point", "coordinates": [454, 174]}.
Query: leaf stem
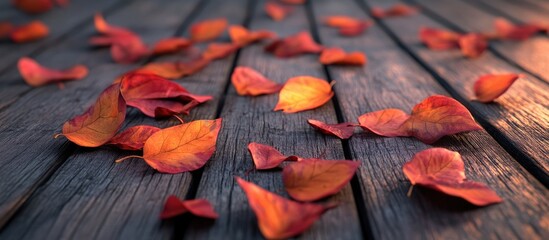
{"type": "Point", "coordinates": [179, 118]}
{"type": "Point", "coordinates": [57, 135]}
{"type": "Point", "coordinates": [409, 194]}
{"type": "Point", "coordinates": [127, 157]}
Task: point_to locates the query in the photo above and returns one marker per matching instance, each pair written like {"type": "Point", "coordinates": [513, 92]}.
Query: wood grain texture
{"type": "Point", "coordinates": [520, 11]}
{"type": "Point", "coordinates": [251, 119]}
{"type": "Point", "coordinates": [392, 79]}
{"type": "Point", "coordinates": [61, 22]}
{"type": "Point", "coordinates": [518, 119]}
{"type": "Point", "coordinates": [530, 55]}
{"type": "Point", "coordinates": [68, 206]}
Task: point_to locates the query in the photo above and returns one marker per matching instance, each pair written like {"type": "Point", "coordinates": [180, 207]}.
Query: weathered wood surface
{"type": "Point", "coordinates": [518, 11]}
{"type": "Point", "coordinates": [393, 80]}
{"type": "Point", "coordinates": [251, 119]}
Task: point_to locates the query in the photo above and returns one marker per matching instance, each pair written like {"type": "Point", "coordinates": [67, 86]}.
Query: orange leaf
{"type": "Point", "coordinates": [396, 10]}
{"type": "Point", "coordinates": [313, 179]}
{"type": "Point", "coordinates": [242, 36]}
{"type": "Point", "coordinates": [348, 26]}
{"type": "Point", "coordinates": [303, 93]}
{"type": "Point", "coordinates": [198, 207]}
{"type": "Point", "coordinates": [36, 75]}
{"type": "Point", "coordinates": [182, 148]}
{"type": "Point", "coordinates": [248, 81]}
{"type": "Point", "coordinates": [508, 30]}
{"type": "Point", "coordinates": [280, 218]}
{"type": "Point", "coordinates": [208, 29]}
{"type": "Point", "coordinates": [134, 137]}
{"type": "Point", "coordinates": [267, 157]}
{"type": "Point", "coordinates": [219, 50]}
{"type": "Point", "coordinates": [438, 39]}
{"type": "Point", "coordinates": [443, 170]}
{"type": "Point", "coordinates": [339, 56]}
{"type": "Point", "coordinates": [174, 70]}
{"type": "Point", "coordinates": [276, 11]}
{"type": "Point", "coordinates": [341, 130]}
{"type": "Point", "coordinates": [100, 122]}
{"type": "Point", "coordinates": [433, 118]}
{"type": "Point", "coordinates": [297, 44]}
{"type": "Point", "coordinates": [489, 87]}
{"type": "Point", "coordinates": [472, 45]}
{"type": "Point", "coordinates": [29, 32]}
{"type": "Point", "coordinates": [150, 93]}
{"type": "Point", "coordinates": [103, 27]}
{"type": "Point", "coordinates": [33, 6]}
{"type": "Point", "coordinates": [170, 45]}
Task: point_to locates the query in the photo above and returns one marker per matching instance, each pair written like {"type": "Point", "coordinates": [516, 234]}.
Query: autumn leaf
{"type": "Point", "coordinates": [267, 157]}
{"type": "Point", "coordinates": [433, 118]}
{"type": "Point", "coordinates": [219, 50]}
{"type": "Point", "coordinates": [242, 36]}
{"type": "Point", "coordinates": [170, 45]}
{"type": "Point", "coordinates": [208, 29]}
{"type": "Point", "coordinates": [303, 93]}
{"type": "Point", "coordinates": [294, 45]}
{"type": "Point", "coordinates": [340, 130]}
{"type": "Point", "coordinates": [248, 81]}
{"type": "Point", "coordinates": [313, 179]}
{"type": "Point", "coordinates": [340, 57]}
{"type": "Point", "coordinates": [36, 75]}
{"type": "Point", "coordinates": [397, 10]}
{"type": "Point", "coordinates": [149, 92]}
{"type": "Point", "coordinates": [276, 11]}
{"type": "Point", "coordinates": [348, 26]}
{"type": "Point", "coordinates": [443, 170]}
{"type": "Point", "coordinates": [198, 207]}
{"type": "Point", "coordinates": [33, 6]}
{"type": "Point", "coordinates": [174, 70]}
{"type": "Point", "coordinates": [29, 32]}
{"type": "Point", "coordinates": [439, 39]}
{"type": "Point", "coordinates": [280, 218]}
{"type": "Point", "coordinates": [101, 26]}
{"type": "Point", "coordinates": [491, 86]}
{"type": "Point", "coordinates": [134, 137]}
{"type": "Point", "coordinates": [100, 122]}
{"type": "Point", "coordinates": [508, 30]}
{"type": "Point", "coordinates": [472, 45]}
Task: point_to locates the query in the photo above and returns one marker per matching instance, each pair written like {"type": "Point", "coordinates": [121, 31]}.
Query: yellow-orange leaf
{"type": "Point", "coordinates": [303, 93]}
{"type": "Point", "coordinates": [339, 56]}
{"type": "Point", "coordinates": [491, 86]}
{"type": "Point", "coordinates": [208, 29]}
{"type": "Point", "coordinates": [248, 81]}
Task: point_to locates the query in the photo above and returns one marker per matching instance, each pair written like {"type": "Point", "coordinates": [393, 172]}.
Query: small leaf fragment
{"type": "Point", "coordinates": [439, 39]}
{"type": "Point", "coordinates": [36, 75]}
{"type": "Point", "coordinates": [29, 32]}
{"type": "Point", "coordinates": [340, 130]}
{"type": "Point", "coordinates": [348, 26]}
{"type": "Point", "coordinates": [277, 11]}
{"type": "Point", "coordinates": [208, 29]}
{"type": "Point", "coordinates": [303, 93]}
{"type": "Point", "coordinates": [242, 36]}
{"type": "Point", "coordinates": [219, 50]}
{"type": "Point", "coordinates": [267, 157]}
{"type": "Point", "coordinates": [508, 30]}
{"type": "Point", "coordinates": [248, 81]}
{"type": "Point", "coordinates": [198, 207]}
{"type": "Point", "coordinates": [294, 45]}
{"type": "Point", "coordinates": [340, 57]}
{"type": "Point", "coordinates": [472, 45]}
{"type": "Point", "coordinates": [489, 87]}
{"type": "Point", "coordinates": [170, 45]}
{"type": "Point", "coordinates": [397, 10]}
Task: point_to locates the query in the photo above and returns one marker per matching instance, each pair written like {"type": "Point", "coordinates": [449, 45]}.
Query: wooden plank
{"type": "Point", "coordinates": [392, 79]}
{"type": "Point", "coordinates": [541, 4]}
{"type": "Point", "coordinates": [31, 155]}
{"type": "Point", "coordinates": [518, 11]}
{"type": "Point", "coordinates": [61, 22]}
{"type": "Point", "coordinates": [529, 55]}
{"type": "Point", "coordinates": [251, 119]}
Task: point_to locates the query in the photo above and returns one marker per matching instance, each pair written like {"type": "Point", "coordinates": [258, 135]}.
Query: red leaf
{"type": "Point", "coordinates": [128, 49]}
{"type": "Point", "coordinates": [280, 218]}
{"type": "Point", "coordinates": [29, 32]}
{"type": "Point", "coordinates": [267, 157]}
{"type": "Point", "coordinates": [491, 86]}
{"type": "Point", "coordinates": [33, 6]}
{"type": "Point", "coordinates": [170, 45]}
{"type": "Point", "coordinates": [133, 138]}
{"type": "Point", "coordinates": [340, 57]}
{"type": "Point", "coordinates": [276, 11]}
{"type": "Point", "coordinates": [219, 50]}
{"type": "Point", "coordinates": [340, 130]}
{"type": "Point", "coordinates": [508, 30]}
{"type": "Point", "coordinates": [208, 29]}
{"type": "Point", "coordinates": [198, 207]}
{"type": "Point", "coordinates": [314, 179]}
{"type": "Point", "coordinates": [174, 70]}
{"type": "Point", "coordinates": [247, 81]}
{"type": "Point", "coordinates": [148, 92]}
{"type": "Point", "coordinates": [396, 10]}
{"type": "Point", "coordinates": [294, 45]}
{"type": "Point", "coordinates": [443, 170]}
{"type": "Point", "coordinates": [472, 45]}
{"type": "Point", "coordinates": [438, 39]}
{"type": "Point", "coordinates": [36, 75]}
{"type": "Point", "coordinates": [242, 36]}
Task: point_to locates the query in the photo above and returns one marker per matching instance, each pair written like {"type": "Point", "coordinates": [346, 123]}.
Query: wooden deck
{"type": "Point", "coordinates": [53, 189]}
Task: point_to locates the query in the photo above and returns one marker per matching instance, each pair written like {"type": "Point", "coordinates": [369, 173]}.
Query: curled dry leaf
{"type": "Point", "coordinates": [36, 75]}
{"type": "Point", "coordinates": [396, 10]}
{"type": "Point", "coordinates": [33, 6]}
{"type": "Point", "coordinates": [433, 118]}
{"type": "Point", "coordinates": [248, 81]}
{"type": "Point", "coordinates": [340, 130]}
{"type": "Point", "coordinates": [443, 170]}
{"type": "Point", "coordinates": [242, 36]}
{"type": "Point", "coordinates": [303, 93]}
{"type": "Point", "coordinates": [348, 26]}
{"type": "Point", "coordinates": [491, 86]}
{"type": "Point", "coordinates": [182, 148]}
{"type": "Point", "coordinates": [314, 179]}
{"type": "Point", "coordinates": [276, 11]}
{"type": "Point", "coordinates": [29, 32]}
{"type": "Point", "coordinates": [472, 45]}
{"type": "Point", "coordinates": [133, 138]}
{"type": "Point", "coordinates": [267, 157]}
{"type": "Point", "coordinates": [198, 207]}
{"type": "Point", "coordinates": [154, 95]}
{"type": "Point", "coordinates": [208, 29]}
{"type": "Point", "coordinates": [340, 57]}
{"type": "Point", "coordinates": [297, 44]}
{"type": "Point", "coordinates": [100, 122]}
{"type": "Point", "coordinates": [170, 45]}
{"type": "Point", "coordinates": [219, 50]}
{"type": "Point", "coordinates": [438, 39]}
{"type": "Point", "coordinates": [508, 30]}
{"type": "Point", "coordinates": [280, 218]}
{"type": "Point", "coordinates": [174, 70]}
